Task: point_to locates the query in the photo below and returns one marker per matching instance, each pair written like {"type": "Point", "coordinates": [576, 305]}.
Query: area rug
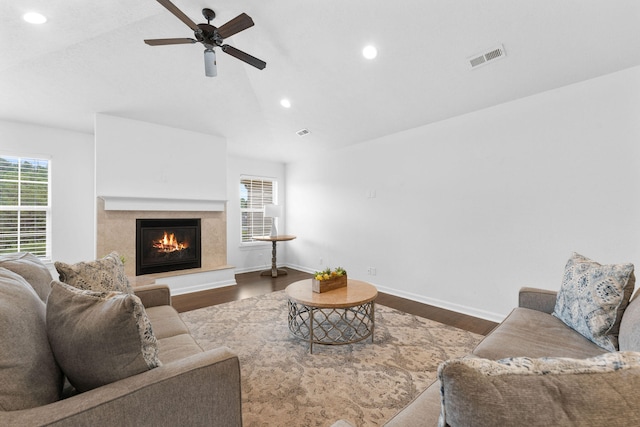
{"type": "Point", "coordinates": [365, 383]}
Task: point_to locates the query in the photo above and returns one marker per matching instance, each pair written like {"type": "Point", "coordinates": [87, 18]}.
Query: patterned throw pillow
{"type": "Point", "coordinates": [99, 337]}
{"type": "Point", "coordinates": [607, 362]}
{"type": "Point", "coordinates": [102, 275]}
{"type": "Point", "coordinates": [593, 297]}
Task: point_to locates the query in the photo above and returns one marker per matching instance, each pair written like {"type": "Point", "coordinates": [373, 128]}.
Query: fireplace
{"type": "Point", "coordinates": [167, 245]}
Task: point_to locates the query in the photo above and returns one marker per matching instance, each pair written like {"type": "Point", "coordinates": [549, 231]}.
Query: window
{"type": "Point", "coordinates": [25, 206]}
{"type": "Point", "coordinates": [254, 194]}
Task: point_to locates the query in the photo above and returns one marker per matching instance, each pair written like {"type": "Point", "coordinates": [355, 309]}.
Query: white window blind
{"type": "Point", "coordinates": [256, 192]}
{"type": "Point", "coordinates": [25, 206]}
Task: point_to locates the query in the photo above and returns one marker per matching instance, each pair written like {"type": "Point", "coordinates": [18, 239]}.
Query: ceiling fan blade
{"type": "Point", "coordinates": [242, 56]}
{"type": "Point", "coordinates": [179, 14]}
{"type": "Point", "coordinates": [237, 24]}
{"type": "Point", "coordinates": [162, 42]}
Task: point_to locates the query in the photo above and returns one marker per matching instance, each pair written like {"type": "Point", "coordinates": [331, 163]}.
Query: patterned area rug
{"type": "Point", "coordinates": [365, 383]}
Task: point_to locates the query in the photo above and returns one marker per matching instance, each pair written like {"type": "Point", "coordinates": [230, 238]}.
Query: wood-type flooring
{"type": "Point", "coordinates": [253, 284]}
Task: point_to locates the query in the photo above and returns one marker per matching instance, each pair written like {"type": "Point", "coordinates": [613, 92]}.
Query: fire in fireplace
{"type": "Point", "coordinates": [167, 245]}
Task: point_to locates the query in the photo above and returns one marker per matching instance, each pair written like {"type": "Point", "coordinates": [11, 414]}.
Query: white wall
{"type": "Point", "coordinates": [468, 210]}
{"type": "Point", "coordinates": [258, 256]}
{"type": "Point", "coordinates": [74, 194]}
{"type": "Point", "coordinates": [138, 159]}
{"type": "Point", "coordinates": [72, 170]}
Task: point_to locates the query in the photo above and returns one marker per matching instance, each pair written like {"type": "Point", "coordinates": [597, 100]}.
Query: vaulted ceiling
{"type": "Point", "coordinates": [90, 57]}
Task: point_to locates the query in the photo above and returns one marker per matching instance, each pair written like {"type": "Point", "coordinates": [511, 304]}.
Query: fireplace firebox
{"type": "Point", "coordinates": [167, 245]}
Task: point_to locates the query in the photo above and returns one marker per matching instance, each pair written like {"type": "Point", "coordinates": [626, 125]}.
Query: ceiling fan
{"type": "Point", "coordinates": [211, 36]}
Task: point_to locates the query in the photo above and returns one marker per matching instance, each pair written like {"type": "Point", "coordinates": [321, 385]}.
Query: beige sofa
{"type": "Point", "coordinates": [589, 399]}
{"type": "Point", "coordinates": [566, 358]}
{"type": "Point", "coordinates": [191, 387]}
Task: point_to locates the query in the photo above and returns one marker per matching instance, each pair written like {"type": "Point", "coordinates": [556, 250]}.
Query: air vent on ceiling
{"type": "Point", "coordinates": [487, 56]}
{"type": "Point", "coordinates": [303, 132]}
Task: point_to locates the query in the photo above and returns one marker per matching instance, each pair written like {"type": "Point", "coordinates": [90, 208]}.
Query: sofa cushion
{"type": "Point", "coordinates": [593, 297]}
{"type": "Point", "coordinates": [166, 321]}
{"type": "Point", "coordinates": [29, 375]}
{"type": "Point", "coordinates": [541, 392]}
{"type": "Point", "coordinates": [102, 275]}
{"type": "Point", "coordinates": [423, 411]}
{"type": "Point", "coordinates": [177, 347]}
{"type": "Point", "coordinates": [532, 333]}
{"type": "Point", "coordinates": [99, 337]}
{"type": "Point", "coordinates": [31, 269]}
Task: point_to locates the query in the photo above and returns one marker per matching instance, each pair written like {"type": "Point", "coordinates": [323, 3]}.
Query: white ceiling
{"type": "Point", "coordinates": [90, 57]}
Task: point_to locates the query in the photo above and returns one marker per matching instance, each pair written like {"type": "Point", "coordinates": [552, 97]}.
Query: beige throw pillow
{"type": "Point", "coordinates": [29, 375]}
{"type": "Point", "coordinates": [629, 337]}
{"type": "Point", "coordinates": [102, 275]}
{"type": "Point", "coordinates": [32, 269]}
{"type": "Point", "coordinates": [99, 337]}
{"type": "Point", "coordinates": [541, 392]}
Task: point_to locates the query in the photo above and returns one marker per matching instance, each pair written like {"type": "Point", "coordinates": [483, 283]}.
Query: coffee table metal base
{"type": "Point", "coordinates": [332, 326]}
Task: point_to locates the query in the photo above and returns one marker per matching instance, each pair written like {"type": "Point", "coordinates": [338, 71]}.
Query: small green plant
{"type": "Point", "coordinates": [327, 273]}
{"type": "Point", "coordinates": [123, 259]}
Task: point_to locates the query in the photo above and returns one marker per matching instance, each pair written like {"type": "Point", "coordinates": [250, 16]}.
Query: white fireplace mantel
{"type": "Point", "coordinates": [119, 203]}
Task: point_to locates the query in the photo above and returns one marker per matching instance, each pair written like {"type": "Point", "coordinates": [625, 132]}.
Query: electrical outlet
{"type": "Point", "coordinates": [320, 262]}
{"type": "Point", "coordinates": [371, 271]}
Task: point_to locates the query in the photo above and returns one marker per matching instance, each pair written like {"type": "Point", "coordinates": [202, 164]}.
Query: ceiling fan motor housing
{"type": "Point", "coordinates": [208, 35]}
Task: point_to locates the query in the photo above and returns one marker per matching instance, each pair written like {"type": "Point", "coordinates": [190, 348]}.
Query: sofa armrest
{"type": "Point", "coordinates": [199, 390]}
{"type": "Point", "coordinates": [537, 299]}
{"type": "Point", "coordinates": [153, 295]}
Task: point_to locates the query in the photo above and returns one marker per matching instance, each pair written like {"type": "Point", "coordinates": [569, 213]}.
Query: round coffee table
{"type": "Point", "coordinates": [341, 316]}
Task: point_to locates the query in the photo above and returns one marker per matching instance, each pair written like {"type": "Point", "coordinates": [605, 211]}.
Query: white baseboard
{"type": "Point", "coordinates": [264, 268]}
{"type": "Point", "coordinates": [458, 308]}
{"type": "Point", "coordinates": [252, 269]}
{"type": "Point", "coordinates": [301, 268]}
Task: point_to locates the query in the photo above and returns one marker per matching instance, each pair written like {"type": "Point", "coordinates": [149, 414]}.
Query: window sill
{"type": "Point", "coordinates": [248, 246]}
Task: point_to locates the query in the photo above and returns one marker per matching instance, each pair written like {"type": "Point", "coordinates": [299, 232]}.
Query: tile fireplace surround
{"type": "Point", "coordinates": [116, 231]}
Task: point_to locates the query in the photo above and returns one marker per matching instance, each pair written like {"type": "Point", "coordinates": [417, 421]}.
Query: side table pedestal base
{"type": "Point", "coordinates": [278, 272]}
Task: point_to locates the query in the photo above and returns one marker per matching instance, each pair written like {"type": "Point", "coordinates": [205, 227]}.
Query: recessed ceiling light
{"type": "Point", "coordinates": [285, 103]}
{"type": "Point", "coordinates": [370, 52]}
{"type": "Point", "coordinates": [34, 18]}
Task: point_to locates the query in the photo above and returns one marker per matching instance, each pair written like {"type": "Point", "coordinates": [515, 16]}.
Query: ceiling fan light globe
{"type": "Point", "coordinates": [210, 66]}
